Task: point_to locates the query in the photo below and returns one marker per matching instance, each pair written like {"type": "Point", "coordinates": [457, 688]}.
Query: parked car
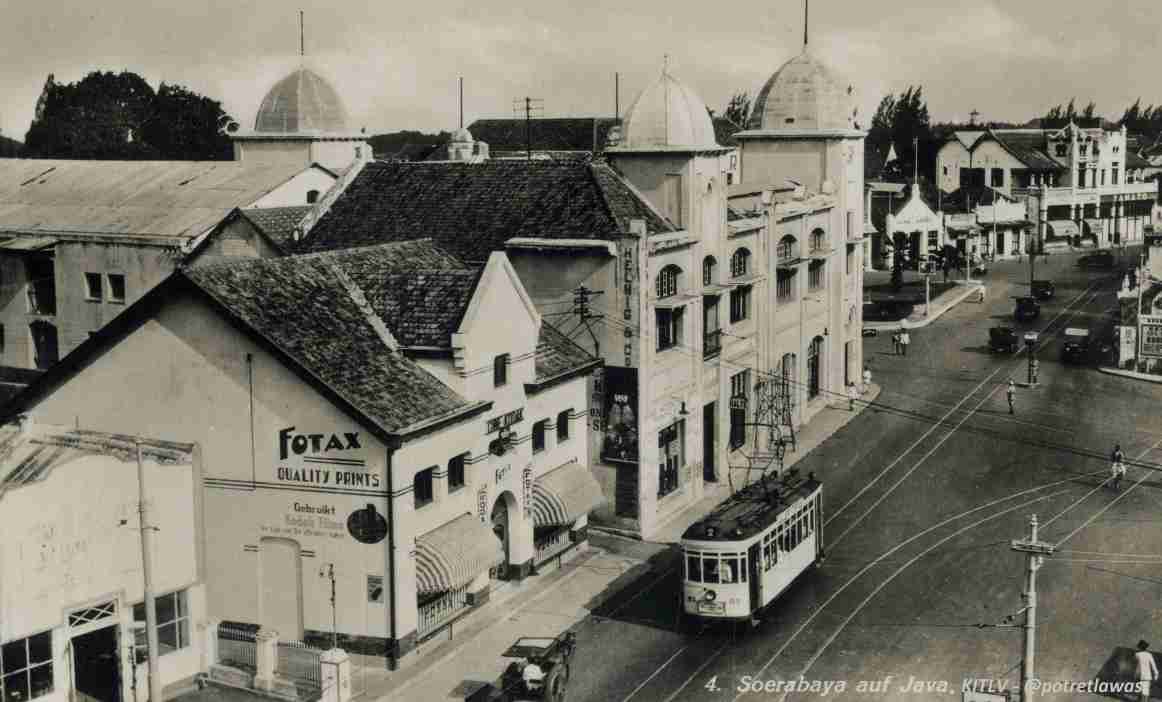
{"type": "Point", "coordinates": [1003, 340]}
{"type": "Point", "coordinates": [1027, 309]}
{"type": "Point", "coordinates": [1097, 259]}
{"type": "Point", "coordinates": [1075, 348]}
{"type": "Point", "coordinates": [1042, 289]}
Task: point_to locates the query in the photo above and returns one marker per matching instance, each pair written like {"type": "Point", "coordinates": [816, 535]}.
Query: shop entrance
{"type": "Point", "coordinates": [282, 587]}
{"type": "Point", "coordinates": [500, 527]}
{"type": "Point", "coordinates": [97, 667]}
{"type": "Point", "coordinates": [709, 446]}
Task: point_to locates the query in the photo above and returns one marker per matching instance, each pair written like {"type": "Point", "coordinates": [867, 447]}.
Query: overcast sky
{"type": "Point", "coordinates": [396, 63]}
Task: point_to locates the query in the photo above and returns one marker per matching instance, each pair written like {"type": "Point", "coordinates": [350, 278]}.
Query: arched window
{"type": "Point", "coordinates": [786, 248]}
{"type": "Point", "coordinates": [709, 270]}
{"type": "Point", "coordinates": [667, 283]}
{"type": "Point", "coordinates": [740, 263]}
{"type": "Point", "coordinates": [818, 240]}
{"type": "Point", "coordinates": [814, 356]}
{"type": "Point", "coordinates": [312, 197]}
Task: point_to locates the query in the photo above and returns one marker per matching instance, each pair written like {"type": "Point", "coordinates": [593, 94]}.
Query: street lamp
{"type": "Point", "coordinates": [1031, 344]}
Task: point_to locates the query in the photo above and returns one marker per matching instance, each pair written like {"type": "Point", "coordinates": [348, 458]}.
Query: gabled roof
{"type": "Point", "coordinates": [967, 199]}
{"type": "Point", "coordinates": [1027, 146]}
{"type": "Point", "coordinates": [422, 307]}
{"type": "Point", "coordinates": [167, 200]}
{"type": "Point", "coordinates": [277, 223]}
{"type": "Point", "coordinates": [968, 138]}
{"type": "Point", "coordinates": [472, 209]}
{"type": "Point", "coordinates": [546, 134]}
{"type": "Point", "coordinates": [557, 355]}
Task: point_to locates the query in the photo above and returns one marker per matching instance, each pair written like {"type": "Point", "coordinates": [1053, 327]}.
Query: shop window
{"type": "Point", "coordinates": [456, 473]}
{"type": "Point", "coordinates": [27, 666]}
{"type": "Point", "coordinates": [667, 283]}
{"type": "Point", "coordinates": [815, 275]}
{"type": "Point", "coordinates": [740, 304]}
{"type": "Point", "coordinates": [740, 263]}
{"type": "Point", "coordinates": [422, 486]}
{"type": "Point", "coordinates": [563, 425]}
{"type": "Point", "coordinates": [93, 288]}
{"type": "Point", "coordinates": [709, 270]}
{"type": "Point", "coordinates": [173, 625]}
{"type": "Point", "coordinates": [500, 370]}
{"type": "Point", "coordinates": [116, 287]}
{"type": "Point", "coordinates": [539, 435]}
{"type": "Point", "coordinates": [671, 457]}
{"type": "Point", "coordinates": [785, 286]}
{"type": "Point", "coordinates": [669, 328]}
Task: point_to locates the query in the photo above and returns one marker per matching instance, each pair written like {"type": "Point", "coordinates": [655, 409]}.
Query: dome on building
{"type": "Point", "coordinates": [303, 102]}
{"type": "Point", "coordinates": [804, 94]}
{"type": "Point", "coordinates": [462, 136]}
{"type": "Point", "coordinates": [667, 115]}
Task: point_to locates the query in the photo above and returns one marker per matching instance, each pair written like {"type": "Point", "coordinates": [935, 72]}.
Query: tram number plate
{"type": "Point", "coordinates": [712, 607]}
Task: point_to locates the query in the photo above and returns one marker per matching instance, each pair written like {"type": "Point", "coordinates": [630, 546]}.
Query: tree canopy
{"type": "Point", "coordinates": [109, 115]}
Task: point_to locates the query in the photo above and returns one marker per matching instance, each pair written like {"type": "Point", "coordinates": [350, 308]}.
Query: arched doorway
{"type": "Point", "coordinates": [501, 521]}
{"type": "Point", "coordinates": [281, 577]}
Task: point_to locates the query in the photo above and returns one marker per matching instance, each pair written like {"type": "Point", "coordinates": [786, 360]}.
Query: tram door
{"type": "Point", "coordinates": [754, 564]}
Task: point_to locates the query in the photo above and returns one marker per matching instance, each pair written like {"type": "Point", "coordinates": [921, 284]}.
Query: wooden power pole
{"type": "Point", "coordinates": [1036, 551]}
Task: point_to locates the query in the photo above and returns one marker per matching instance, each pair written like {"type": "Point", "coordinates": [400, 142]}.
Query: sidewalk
{"type": "Point", "coordinates": [1131, 374]}
{"type": "Point", "coordinates": [551, 604]}
{"type": "Point", "coordinates": [938, 306]}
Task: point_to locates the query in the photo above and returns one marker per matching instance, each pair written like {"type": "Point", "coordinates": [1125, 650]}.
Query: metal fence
{"type": "Point", "coordinates": [236, 647]}
{"type": "Point", "coordinates": [552, 544]}
{"type": "Point", "coordinates": [300, 662]}
{"type": "Point", "coordinates": [436, 613]}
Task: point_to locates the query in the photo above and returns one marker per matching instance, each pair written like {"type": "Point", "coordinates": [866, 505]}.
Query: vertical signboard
{"type": "Point", "coordinates": [620, 442]}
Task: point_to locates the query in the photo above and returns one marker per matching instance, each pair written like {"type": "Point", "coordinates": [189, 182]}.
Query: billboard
{"type": "Point", "coordinates": [620, 442]}
{"type": "Point", "coordinates": [1151, 326]}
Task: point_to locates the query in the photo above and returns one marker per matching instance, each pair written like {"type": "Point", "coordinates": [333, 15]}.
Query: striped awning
{"type": "Point", "coordinates": [1095, 226]}
{"type": "Point", "coordinates": [564, 494]}
{"type": "Point", "coordinates": [452, 555]}
{"type": "Point", "coordinates": [1064, 227]}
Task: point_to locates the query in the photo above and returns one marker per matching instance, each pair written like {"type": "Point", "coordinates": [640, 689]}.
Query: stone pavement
{"type": "Point", "coordinates": [549, 605]}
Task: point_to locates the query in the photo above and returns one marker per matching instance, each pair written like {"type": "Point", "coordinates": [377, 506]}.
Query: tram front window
{"type": "Point", "coordinates": [694, 569]}
{"type": "Point", "coordinates": [710, 570]}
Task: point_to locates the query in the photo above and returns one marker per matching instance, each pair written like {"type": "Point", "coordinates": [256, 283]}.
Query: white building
{"type": "Point", "coordinates": [71, 568]}
{"type": "Point", "coordinates": [386, 415]}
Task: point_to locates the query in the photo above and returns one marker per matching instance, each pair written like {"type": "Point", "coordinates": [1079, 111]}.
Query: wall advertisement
{"type": "Point", "coordinates": [620, 443]}
{"type": "Point", "coordinates": [1151, 326]}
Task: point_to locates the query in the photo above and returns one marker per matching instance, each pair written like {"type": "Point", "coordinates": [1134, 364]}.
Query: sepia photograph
{"type": "Point", "coordinates": [580, 352]}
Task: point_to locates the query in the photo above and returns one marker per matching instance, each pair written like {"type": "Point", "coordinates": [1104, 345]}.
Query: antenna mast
{"type": "Point", "coordinates": [461, 102]}
{"type": "Point", "coordinates": [806, 20]}
{"type": "Point", "coordinates": [302, 37]}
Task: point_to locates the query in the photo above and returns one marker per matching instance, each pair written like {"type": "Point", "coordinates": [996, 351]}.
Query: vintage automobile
{"type": "Point", "coordinates": [1026, 309]}
{"type": "Point", "coordinates": [1075, 347]}
{"type": "Point", "coordinates": [1003, 340]}
{"type": "Point", "coordinates": [1097, 259]}
{"type": "Point", "coordinates": [1042, 289]}
{"type": "Point", "coordinates": [539, 671]}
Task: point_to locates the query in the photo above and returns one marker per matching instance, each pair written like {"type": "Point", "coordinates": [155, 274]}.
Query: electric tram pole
{"type": "Point", "coordinates": [1036, 551]}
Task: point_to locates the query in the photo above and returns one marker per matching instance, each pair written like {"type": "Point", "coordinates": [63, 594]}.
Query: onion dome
{"type": "Point", "coordinates": [303, 102]}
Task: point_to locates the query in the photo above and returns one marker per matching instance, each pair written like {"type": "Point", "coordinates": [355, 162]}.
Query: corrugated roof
{"type": "Point", "coordinates": [472, 209]}
{"type": "Point", "coordinates": [162, 199]}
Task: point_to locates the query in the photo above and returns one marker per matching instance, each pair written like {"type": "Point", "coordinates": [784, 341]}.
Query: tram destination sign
{"type": "Point", "coordinates": [504, 421]}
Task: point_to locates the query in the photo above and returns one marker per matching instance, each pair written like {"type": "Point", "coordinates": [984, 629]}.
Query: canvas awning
{"type": "Point", "coordinates": [453, 554]}
{"type": "Point", "coordinates": [33, 244]}
{"type": "Point", "coordinates": [1064, 227]}
{"type": "Point", "coordinates": [564, 494]}
{"type": "Point", "coordinates": [1095, 227]}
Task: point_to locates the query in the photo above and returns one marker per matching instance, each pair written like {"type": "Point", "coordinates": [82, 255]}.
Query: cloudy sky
{"type": "Point", "coordinates": [396, 64]}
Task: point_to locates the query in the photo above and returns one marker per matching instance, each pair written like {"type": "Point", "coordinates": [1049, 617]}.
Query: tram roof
{"type": "Point", "coordinates": [752, 509]}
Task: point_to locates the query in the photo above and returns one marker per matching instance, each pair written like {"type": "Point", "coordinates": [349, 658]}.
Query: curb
{"type": "Point", "coordinates": [1133, 375]}
{"type": "Point", "coordinates": [907, 323]}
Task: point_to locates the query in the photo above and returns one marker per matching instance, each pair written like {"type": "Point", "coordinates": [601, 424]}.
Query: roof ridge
{"type": "Point", "coordinates": [360, 299]}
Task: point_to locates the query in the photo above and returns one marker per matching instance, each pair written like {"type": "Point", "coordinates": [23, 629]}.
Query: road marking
{"type": "Point", "coordinates": [655, 673]}
{"type": "Point", "coordinates": [1113, 501]}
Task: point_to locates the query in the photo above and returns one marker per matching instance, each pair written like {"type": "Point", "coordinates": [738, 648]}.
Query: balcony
{"type": "Point", "coordinates": [711, 343]}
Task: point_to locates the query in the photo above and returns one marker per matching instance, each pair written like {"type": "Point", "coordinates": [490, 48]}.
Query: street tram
{"type": "Point", "coordinates": [748, 551]}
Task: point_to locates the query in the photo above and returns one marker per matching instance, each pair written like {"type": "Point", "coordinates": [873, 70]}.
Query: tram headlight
{"type": "Point", "coordinates": [710, 595]}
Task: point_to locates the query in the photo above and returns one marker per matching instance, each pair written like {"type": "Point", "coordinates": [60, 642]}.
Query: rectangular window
{"type": "Point", "coordinates": [116, 287]}
{"type": "Point", "coordinates": [694, 568]}
{"type": "Point", "coordinates": [563, 425]}
{"type": "Point", "coordinates": [740, 304]}
{"type": "Point", "coordinates": [27, 666]}
{"type": "Point", "coordinates": [500, 370]}
{"type": "Point", "coordinates": [673, 195]}
{"type": "Point", "coordinates": [998, 177]}
{"type": "Point", "coordinates": [851, 234]}
{"type": "Point", "coordinates": [1103, 176]}
{"type": "Point", "coordinates": [173, 625]}
{"type": "Point", "coordinates": [93, 286]}
{"type": "Point", "coordinates": [849, 264]}
{"type": "Point", "coordinates": [456, 473]}
{"type": "Point", "coordinates": [815, 275]}
{"type": "Point", "coordinates": [1114, 174]}
{"type": "Point", "coordinates": [539, 435]}
{"type": "Point", "coordinates": [739, 400]}
{"type": "Point", "coordinates": [785, 286]}
{"type": "Point", "coordinates": [422, 486]}
{"type": "Point", "coordinates": [669, 328]}
{"type": "Point", "coordinates": [671, 457]}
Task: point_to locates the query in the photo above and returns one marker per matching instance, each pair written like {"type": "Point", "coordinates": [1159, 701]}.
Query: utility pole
{"type": "Point", "coordinates": [581, 308]}
{"type": "Point", "coordinates": [334, 624]}
{"type": "Point", "coordinates": [147, 573]}
{"type": "Point", "coordinates": [531, 105]}
{"type": "Point", "coordinates": [1036, 551]}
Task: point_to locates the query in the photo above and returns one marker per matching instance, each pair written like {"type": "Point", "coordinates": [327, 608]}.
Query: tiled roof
{"type": "Point", "coordinates": [557, 354]}
{"type": "Point", "coordinates": [278, 223]}
{"type": "Point", "coordinates": [423, 307]}
{"type": "Point", "coordinates": [966, 200]}
{"type": "Point", "coordinates": [1028, 147]}
{"type": "Point", "coordinates": [472, 209]}
{"type": "Point", "coordinates": [548, 134]}
{"type": "Point", "coordinates": [304, 305]}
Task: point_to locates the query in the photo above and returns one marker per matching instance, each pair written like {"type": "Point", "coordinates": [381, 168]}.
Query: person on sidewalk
{"type": "Point", "coordinates": [866, 380]}
{"type": "Point", "coordinates": [1117, 466]}
{"type": "Point", "coordinates": [1147, 670]}
{"type": "Point", "coordinates": [905, 339]}
{"type": "Point", "coordinates": [980, 300]}
{"type": "Point", "coordinates": [852, 396]}
{"type": "Point", "coordinates": [1010, 393]}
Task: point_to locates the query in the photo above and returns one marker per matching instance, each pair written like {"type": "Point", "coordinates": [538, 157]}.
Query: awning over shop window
{"type": "Point", "coordinates": [1064, 227]}
{"type": "Point", "coordinates": [564, 494]}
{"type": "Point", "coordinates": [35, 244]}
{"type": "Point", "coordinates": [452, 555]}
{"type": "Point", "coordinates": [1095, 227]}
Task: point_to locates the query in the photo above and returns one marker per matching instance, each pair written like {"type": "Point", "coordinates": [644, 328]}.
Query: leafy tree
{"type": "Point", "coordinates": [186, 126]}
{"type": "Point", "coordinates": [901, 121]}
{"type": "Point", "coordinates": [738, 109]}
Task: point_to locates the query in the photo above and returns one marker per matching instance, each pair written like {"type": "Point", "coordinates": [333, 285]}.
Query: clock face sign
{"type": "Point", "coordinates": [367, 525]}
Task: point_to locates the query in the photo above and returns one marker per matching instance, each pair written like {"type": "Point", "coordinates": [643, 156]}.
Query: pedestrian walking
{"type": "Point", "coordinates": [895, 343]}
{"type": "Point", "coordinates": [1010, 393]}
{"type": "Point", "coordinates": [1036, 370]}
{"type": "Point", "coordinates": [980, 300]}
{"type": "Point", "coordinates": [1117, 466]}
{"type": "Point", "coordinates": [1147, 670]}
{"type": "Point", "coordinates": [904, 341]}
{"type": "Point", "coordinates": [852, 396]}
{"type": "Point", "coordinates": [866, 379]}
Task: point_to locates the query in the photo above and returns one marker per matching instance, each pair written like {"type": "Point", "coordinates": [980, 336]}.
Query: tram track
{"type": "Point", "coordinates": [890, 556]}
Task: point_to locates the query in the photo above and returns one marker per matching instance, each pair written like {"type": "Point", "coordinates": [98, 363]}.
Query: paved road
{"type": "Point", "coordinates": [922, 497]}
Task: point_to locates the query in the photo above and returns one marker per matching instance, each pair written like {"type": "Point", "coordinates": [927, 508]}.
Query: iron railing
{"type": "Point", "coordinates": [438, 612]}
{"type": "Point", "coordinates": [237, 648]}
{"type": "Point", "coordinates": [300, 662]}
{"type": "Point", "coordinates": [552, 544]}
